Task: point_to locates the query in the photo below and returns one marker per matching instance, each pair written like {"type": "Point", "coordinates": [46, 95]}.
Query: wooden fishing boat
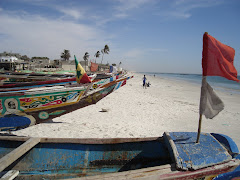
{"type": "Point", "coordinates": [28, 77]}
{"type": "Point", "coordinates": [14, 86]}
{"type": "Point", "coordinates": [27, 85]}
{"type": "Point", "coordinates": [16, 105]}
{"type": "Point", "coordinates": [174, 155]}
{"type": "Point", "coordinates": [21, 109]}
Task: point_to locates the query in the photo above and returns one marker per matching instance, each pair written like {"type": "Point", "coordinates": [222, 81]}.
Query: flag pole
{"type": "Point", "coordinates": [200, 113]}
{"type": "Point", "coordinates": [199, 128]}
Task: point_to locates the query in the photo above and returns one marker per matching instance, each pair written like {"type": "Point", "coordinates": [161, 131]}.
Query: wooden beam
{"type": "Point", "coordinates": [10, 175]}
{"type": "Point", "coordinates": [17, 153]}
{"type": "Point", "coordinates": [145, 173]}
{"type": "Point", "coordinates": [83, 140]}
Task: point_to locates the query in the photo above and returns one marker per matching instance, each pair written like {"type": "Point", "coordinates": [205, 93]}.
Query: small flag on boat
{"type": "Point", "coordinates": [94, 67]}
{"type": "Point", "coordinates": [217, 59]}
{"type": "Point", "coordinates": [81, 75]}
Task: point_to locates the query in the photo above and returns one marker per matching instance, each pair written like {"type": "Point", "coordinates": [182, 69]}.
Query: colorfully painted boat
{"type": "Point", "coordinates": [14, 77]}
{"type": "Point", "coordinates": [16, 106]}
{"type": "Point", "coordinates": [21, 109]}
{"type": "Point", "coordinates": [174, 155]}
{"type": "Point", "coordinates": [27, 85]}
{"type": "Point", "coordinates": [16, 86]}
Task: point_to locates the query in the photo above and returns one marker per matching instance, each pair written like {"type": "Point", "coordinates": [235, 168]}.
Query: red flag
{"type": "Point", "coordinates": [217, 59]}
{"type": "Point", "coordinates": [94, 67]}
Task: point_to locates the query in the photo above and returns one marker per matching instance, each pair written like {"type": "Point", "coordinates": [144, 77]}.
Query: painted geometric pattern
{"type": "Point", "coordinates": [28, 103]}
{"type": "Point", "coordinates": [104, 81]}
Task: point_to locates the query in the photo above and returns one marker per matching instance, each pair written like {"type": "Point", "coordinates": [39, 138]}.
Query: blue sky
{"type": "Point", "coordinates": [145, 35]}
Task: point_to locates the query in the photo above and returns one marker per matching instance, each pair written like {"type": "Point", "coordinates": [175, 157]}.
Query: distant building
{"type": "Point", "coordinates": [11, 61]}
{"type": "Point", "coordinates": [40, 61]}
{"type": "Point", "coordinates": [70, 65]}
{"type": "Point", "coordinates": [8, 59]}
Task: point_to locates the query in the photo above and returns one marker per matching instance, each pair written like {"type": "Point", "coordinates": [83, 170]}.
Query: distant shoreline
{"type": "Point", "coordinates": [219, 83]}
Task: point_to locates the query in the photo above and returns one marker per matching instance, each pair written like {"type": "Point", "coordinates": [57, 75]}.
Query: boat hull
{"type": "Point", "coordinates": [69, 160]}
{"type": "Point", "coordinates": [38, 109]}
{"type": "Point", "coordinates": [117, 158]}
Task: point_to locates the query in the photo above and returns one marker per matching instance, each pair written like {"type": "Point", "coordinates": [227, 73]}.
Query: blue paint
{"type": "Point", "coordinates": [229, 175]}
{"type": "Point", "coordinates": [237, 157]}
{"type": "Point", "coordinates": [72, 160]}
{"type": "Point", "coordinates": [12, 122]}
{"type": "Point", "coordinates": [72, 95]}
{"type": "Point", "coordinates": [227, 142]}
{"type": "Point", "coordinates": [119, 84]}
{"type": "Point", "coordinates": [193, 156]}
{"type": "Point", "coordinates": [111, 69]}
{"type": "Point", "coordinates": [88, 159]}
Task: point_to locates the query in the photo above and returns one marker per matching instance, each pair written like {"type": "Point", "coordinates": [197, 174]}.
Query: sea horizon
{"type": "Point", "coordinates": [217, 82]}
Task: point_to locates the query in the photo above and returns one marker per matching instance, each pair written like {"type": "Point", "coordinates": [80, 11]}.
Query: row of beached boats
{"type": "Point", "coordinates": [23, 104]}
{"type": "Point", "coordinates": [175, 155]}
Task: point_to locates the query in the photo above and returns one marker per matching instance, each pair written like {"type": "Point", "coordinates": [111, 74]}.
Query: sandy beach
{"type": "Point", "coordinates": [167, 105]}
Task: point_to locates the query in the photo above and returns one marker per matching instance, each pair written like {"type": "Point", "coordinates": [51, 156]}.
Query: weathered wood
{"type": "Point", "coordinates": [83, 141]}
{"type": "Point", "coordinates": [199, 128]}
{"type": "Point", "coordinates": [189, 155]}
{"type": "Point", "coordinates": [135, 160]}
{"type": "Point", "coordinates": [14, 138]}
{"type": "Point", "coordinates": [165, 172]}
{"type": "Point", "coordinates": [10, 175]}
{"type": "Point", "coordinates": [210, 171]}
{"type": "Point", "coordinates": [145, 173]}
{"type": "Point", "coordinates": [17, 153]}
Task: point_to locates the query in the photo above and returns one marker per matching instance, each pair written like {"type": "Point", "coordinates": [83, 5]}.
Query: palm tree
{"type": "Point", "coordinates": [106, 50]}
{"type": "Point", "coordinates": [97, 55]}
{"type": "Point", "coordinates": [85, 58]}
{"type": "Point", "coordinates": [65, 54]}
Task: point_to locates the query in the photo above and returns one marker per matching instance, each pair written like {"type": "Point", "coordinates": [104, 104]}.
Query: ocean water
{"type": "Point", "coordinates": [216, 82]}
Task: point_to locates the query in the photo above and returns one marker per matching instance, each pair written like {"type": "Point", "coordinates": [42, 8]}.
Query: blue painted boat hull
{"type": "Point", "coordinates": [155, 157]}
{"type": "Point", "coordinates": [68, 160]}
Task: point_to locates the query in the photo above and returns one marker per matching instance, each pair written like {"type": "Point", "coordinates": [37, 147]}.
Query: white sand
{"type": "Point", "coordinates": [168, 105]}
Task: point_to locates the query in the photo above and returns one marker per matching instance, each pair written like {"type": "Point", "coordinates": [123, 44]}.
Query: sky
{"type": "Point", "coordinates": [144, 35]}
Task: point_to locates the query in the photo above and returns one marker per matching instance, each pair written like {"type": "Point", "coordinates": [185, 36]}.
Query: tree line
{"type": "Point", "coordinates": [66, 54]}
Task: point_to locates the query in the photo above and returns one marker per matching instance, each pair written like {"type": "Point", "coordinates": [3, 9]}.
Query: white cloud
{"type": "Point", "coordinates": [76, 14]}
{"type": "Point", "coordinates": [181, 9]}
{"type": "Point", "coordinates": [124, 8]}
{"type": "Point", "coordinates": [131, 4]}
{"type": "Point", "coordinates": [38, 36]}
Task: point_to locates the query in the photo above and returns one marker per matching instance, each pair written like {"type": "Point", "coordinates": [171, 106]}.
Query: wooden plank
{"type": "Point", "coordinates": [213, 170]}
{"type": "Point", "coordinates": [98, 140]}
{"type": "Point", "coordinates": [14, 138]}
{"type": "Point", "coordinates": [165, 172]}
{"type": "Point", "coordinates": [17, 153]}
{"type": "Point", "coordinates": [83, 140]}
{"type": "Point", "coordinates": [145, 173]}
{"type": "Point", "coordinates": [10, 175]}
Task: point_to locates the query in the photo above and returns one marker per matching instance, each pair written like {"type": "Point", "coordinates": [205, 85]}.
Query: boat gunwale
{"type": "Point", "coordinates": [82, 140]}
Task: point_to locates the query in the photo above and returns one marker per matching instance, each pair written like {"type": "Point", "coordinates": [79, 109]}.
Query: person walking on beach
{"type": "Point", "coordinates": [144, 81]}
